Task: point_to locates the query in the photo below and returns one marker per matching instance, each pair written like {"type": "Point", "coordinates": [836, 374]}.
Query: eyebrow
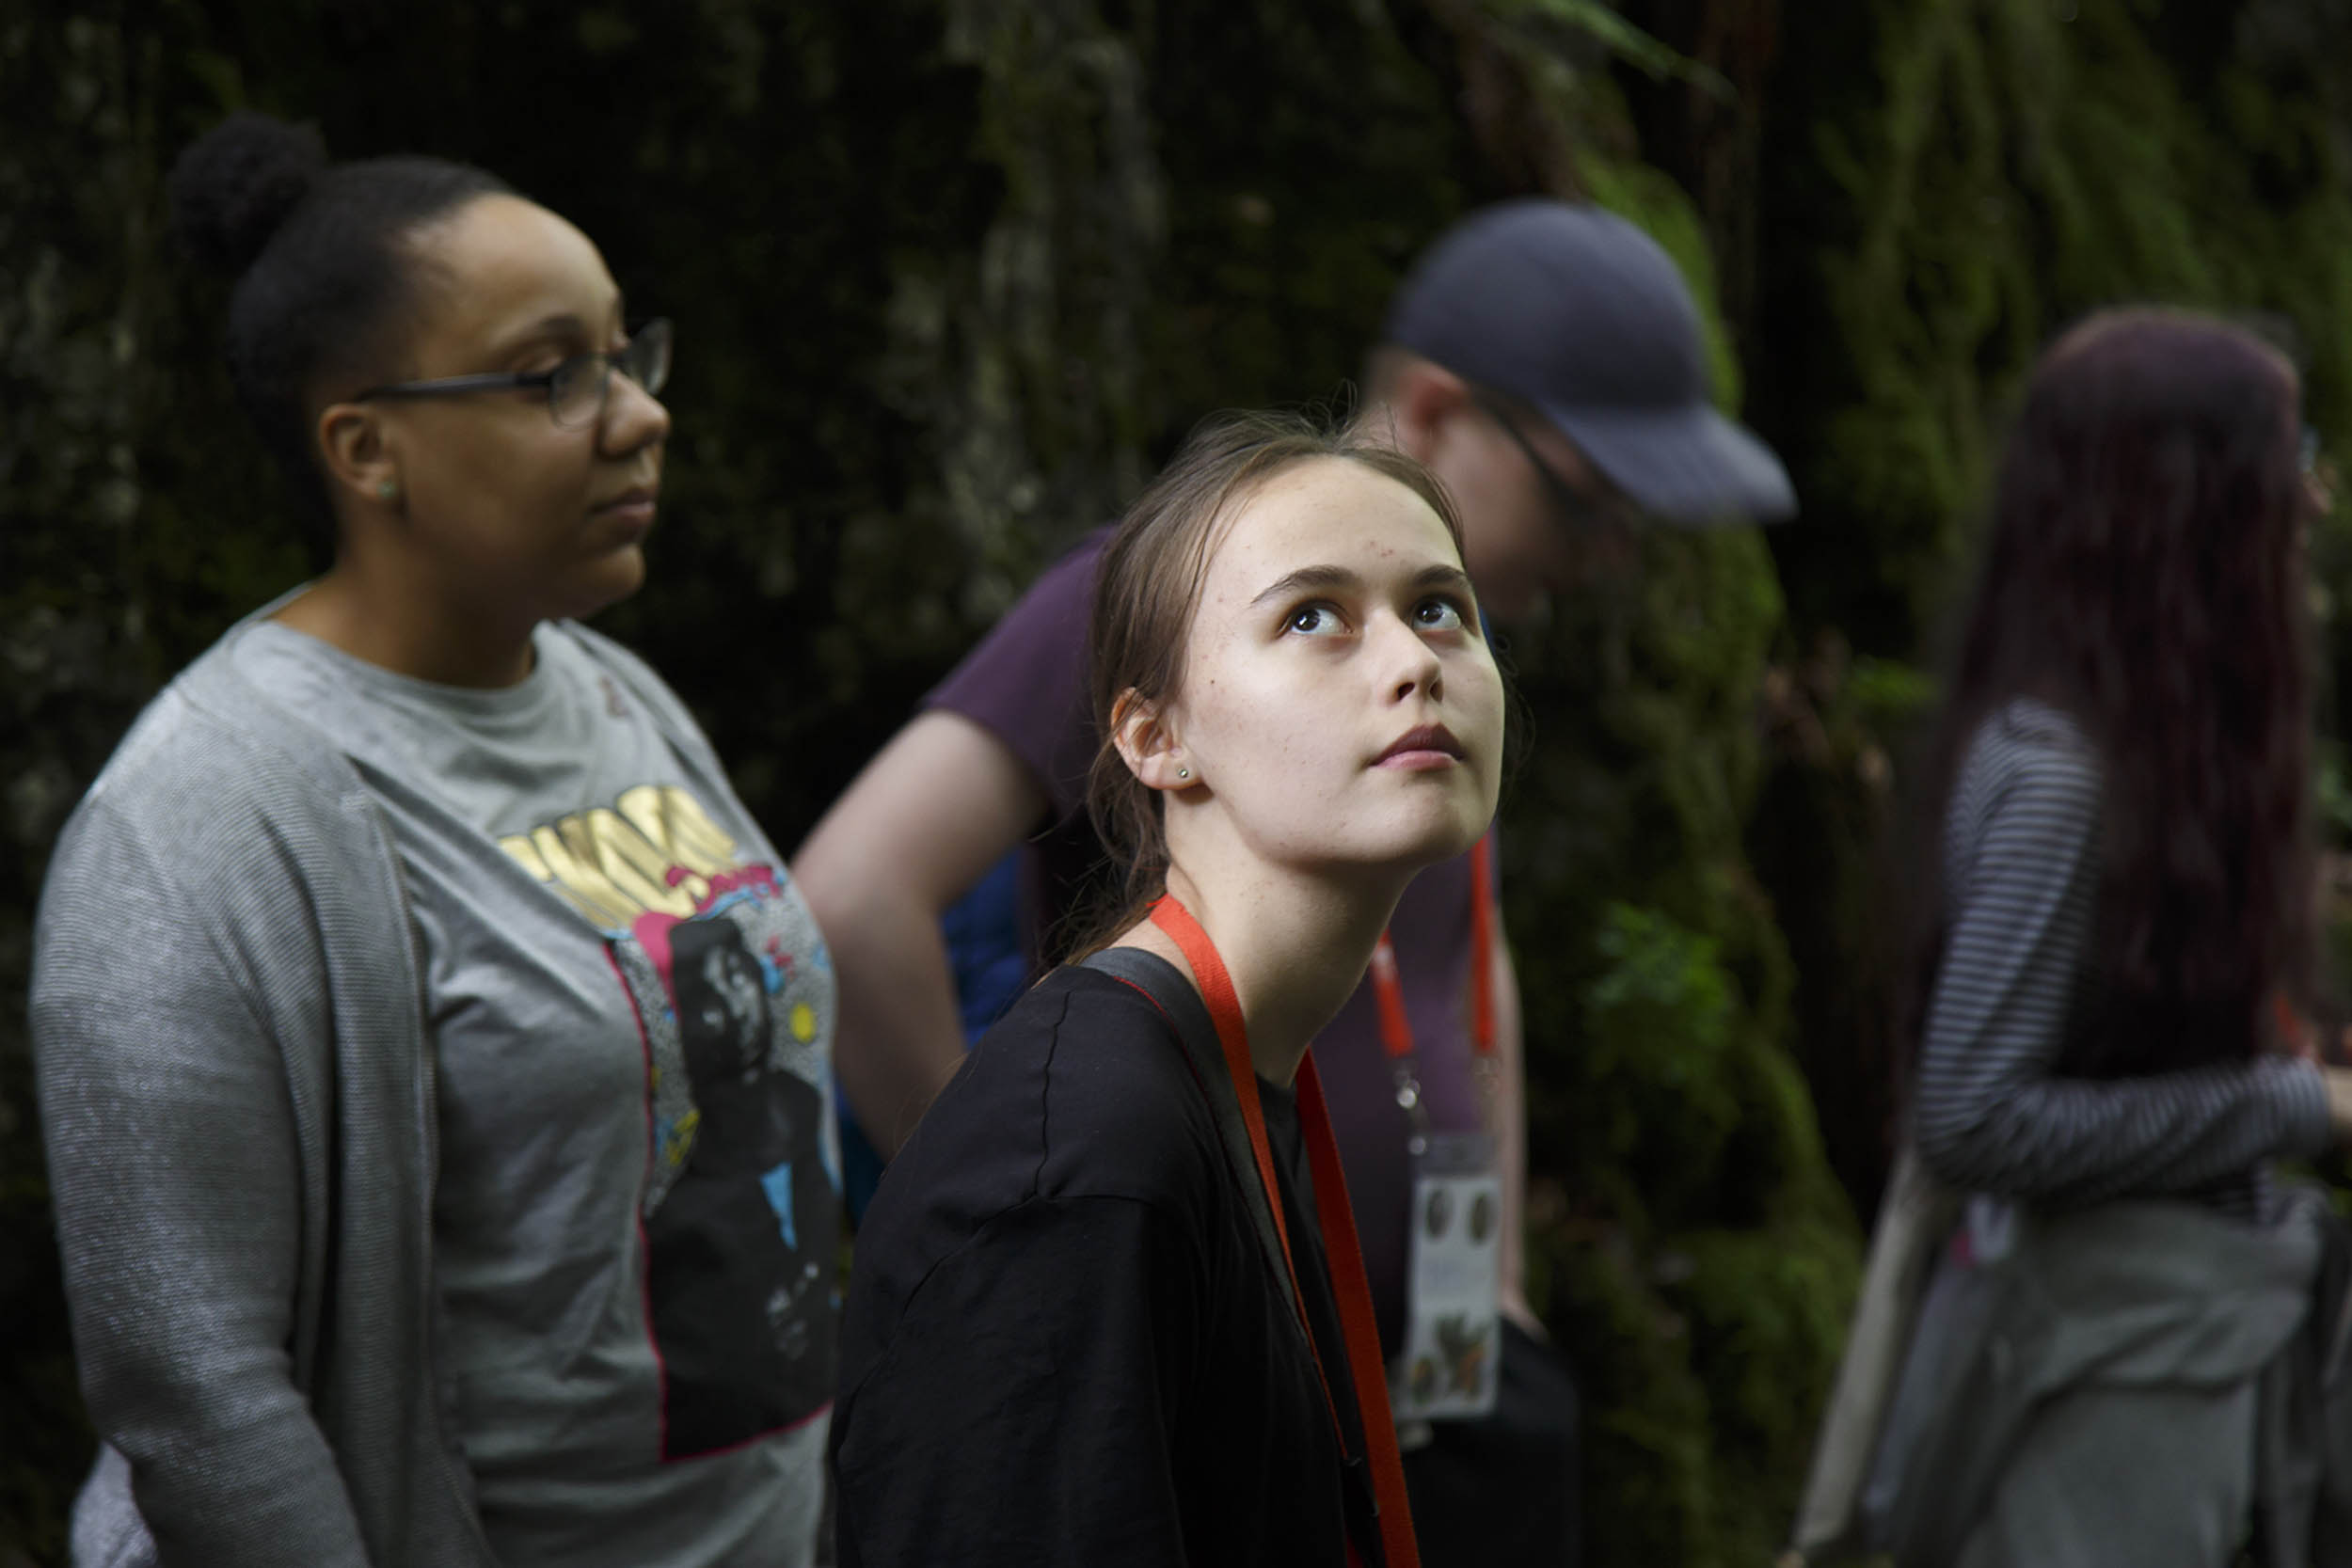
{"type": "Point", "coordinates": [554, 326]}
{"type": "Point", "coordinates": [1307, 579]}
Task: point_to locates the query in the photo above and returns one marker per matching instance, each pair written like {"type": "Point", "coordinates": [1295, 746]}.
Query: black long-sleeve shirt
{"type": "Point", "coordinates": [1064, 1342]}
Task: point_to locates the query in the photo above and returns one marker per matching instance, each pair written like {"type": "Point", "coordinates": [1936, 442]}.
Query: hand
{"type": "Point", "coordinates": [2339, 1102]}
{"type": "Point", "coordinates": [1513, 1305]}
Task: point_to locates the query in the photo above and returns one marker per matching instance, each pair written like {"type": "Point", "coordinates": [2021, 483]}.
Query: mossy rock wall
{"type": "Point", "coordinates": [1951, 182]}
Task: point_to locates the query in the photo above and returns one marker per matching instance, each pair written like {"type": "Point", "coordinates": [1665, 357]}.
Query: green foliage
{"type": "Point", "coordinates": [1610, 29]}
{"type": "Point", "coordinates": [1767, 1319]}
{"type": "Point", "coordinates": [1887, 691]}
{"type": "Point", "coordinates": [1665, 1109]}
{"type": "Point", "coordinates": [1657, 1032]}
{"type": "Point", "coordinates": [1962, 177]}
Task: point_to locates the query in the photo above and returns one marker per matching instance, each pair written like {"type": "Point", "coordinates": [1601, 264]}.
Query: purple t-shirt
{"type": "Point", "coordinates": [1026, 684]}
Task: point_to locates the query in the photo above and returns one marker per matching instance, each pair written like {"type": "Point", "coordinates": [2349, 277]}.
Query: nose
{"type": "Point", "coordinates": [1408, 665]}
{"type": "Point", "coordinates": [633, 418]}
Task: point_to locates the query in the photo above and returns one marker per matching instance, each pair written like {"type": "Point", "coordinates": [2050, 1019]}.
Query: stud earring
{"type": "Point", "coordinates": [1184, 773]}
{"type": "Point", "coordinates": [386, 489]}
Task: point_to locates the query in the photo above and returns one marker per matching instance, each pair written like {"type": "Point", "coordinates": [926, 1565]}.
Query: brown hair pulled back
{"type": "Point", "coordinates": [1148, 584]}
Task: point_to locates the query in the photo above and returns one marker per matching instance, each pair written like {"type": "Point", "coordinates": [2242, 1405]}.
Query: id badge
{"type": "Point", "coordinates": [1451, 1364]}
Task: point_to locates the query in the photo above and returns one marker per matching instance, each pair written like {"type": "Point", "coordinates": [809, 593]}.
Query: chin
{"type": "Point", "coordinates": [1430, 838]}
{"type": "Point", "coordinates": [1459, 840]}
{"type": "Point", "coordinates": [615, 579]}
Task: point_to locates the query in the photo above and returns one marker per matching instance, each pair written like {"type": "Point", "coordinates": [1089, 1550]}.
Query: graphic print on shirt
{"type": "Point", "coordinates": [732, 994]}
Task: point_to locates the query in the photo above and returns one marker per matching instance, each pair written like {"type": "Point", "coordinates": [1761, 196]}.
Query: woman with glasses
{"type": "Point", "coordinates": [432, 1052]}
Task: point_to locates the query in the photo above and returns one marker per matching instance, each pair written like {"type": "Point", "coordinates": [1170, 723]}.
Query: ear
{"type": "Point", "coordinates": [1148, 744]}
{"type": "Point", "coordinates": [1423, 398]}
{"type": "Point", "coordinates": [357, 456]}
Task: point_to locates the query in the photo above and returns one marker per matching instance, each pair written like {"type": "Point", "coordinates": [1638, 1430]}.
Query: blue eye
{"type": "Point", "coordinates": [1439, 616]}
{"type": "Point", "coordinates": [1314, 620]}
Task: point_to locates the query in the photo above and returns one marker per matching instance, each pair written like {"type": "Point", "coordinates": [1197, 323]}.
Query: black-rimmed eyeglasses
{"type": "Point", "coordinates": [1576, 509]}
{"type": "Point", "coordinates": [576, 389]}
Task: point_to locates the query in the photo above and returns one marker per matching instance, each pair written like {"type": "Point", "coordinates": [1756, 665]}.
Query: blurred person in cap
{"type": "Point", "coordinates": [1544, 362]}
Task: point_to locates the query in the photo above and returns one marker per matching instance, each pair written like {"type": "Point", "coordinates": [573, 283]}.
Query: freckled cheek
{"type": "Point", "coordinates": [1483, 706]}
{"type": "Point", "coordinates": [1274, 735]}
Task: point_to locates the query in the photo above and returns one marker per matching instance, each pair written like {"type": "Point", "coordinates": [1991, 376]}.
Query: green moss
{"type": "Point", "coordinates": [1995, 169]}
{"type": "Point", "coordinates": [1649, 198]}
{"type": "Point", "coordinates": [1765, 1310]}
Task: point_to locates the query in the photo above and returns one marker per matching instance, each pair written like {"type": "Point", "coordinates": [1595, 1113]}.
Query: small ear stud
{"type": "Point", "coordinates": [386, 489]}
{"type": "Point", "coordinates": [1184, 773]}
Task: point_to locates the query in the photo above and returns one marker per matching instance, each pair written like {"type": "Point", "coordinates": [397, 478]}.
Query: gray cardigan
{"type": "Point", "coordinates": [2159, 1322]}
{"type": "Point", "coordinates": [237, 1097]}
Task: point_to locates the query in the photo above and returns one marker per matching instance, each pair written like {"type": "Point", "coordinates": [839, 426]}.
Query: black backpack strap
{"type": "Point", "coordinates": [1204, 1054]}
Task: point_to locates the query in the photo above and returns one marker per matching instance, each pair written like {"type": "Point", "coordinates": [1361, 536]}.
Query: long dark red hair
{"type": "Point", "coordinates": [2144, 575]}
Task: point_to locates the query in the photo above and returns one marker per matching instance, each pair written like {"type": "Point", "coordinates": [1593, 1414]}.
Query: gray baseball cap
{"type": "Point", "coordinates": [1578, 313]}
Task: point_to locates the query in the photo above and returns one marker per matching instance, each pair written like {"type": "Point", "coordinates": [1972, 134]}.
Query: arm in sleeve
{"type": "Point", "coordinates": [1990, 1115]}
{"type": "Point", "coordinates": [924, 821]}
{"type": "Point", "coordinates": [173, 1162]}
{"type": "Point", "coordinates": [1025, 682]}
{"type": "Point", "coordinates": [1024, 1406]}
{"type": "Point", "coordinates": [1002, 742]}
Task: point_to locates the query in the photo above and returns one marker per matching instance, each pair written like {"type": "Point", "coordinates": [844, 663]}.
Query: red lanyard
{"type": "Point", "coordinates": [1396, 1026]}
{"type": "Point", "coordinates": [1348, 1283]}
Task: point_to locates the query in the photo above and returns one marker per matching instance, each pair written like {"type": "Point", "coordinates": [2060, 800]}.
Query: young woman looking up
{"type": "Point", "coordinates": [433, 1057]}
{"type": "Point", "coordinates": [1092, 1318]}
{"type": "Point", "coordinates": [2116, 944]}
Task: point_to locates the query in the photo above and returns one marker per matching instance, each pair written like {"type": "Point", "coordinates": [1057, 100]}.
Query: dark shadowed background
{"type": "Point", "coordinates": [951, 275]}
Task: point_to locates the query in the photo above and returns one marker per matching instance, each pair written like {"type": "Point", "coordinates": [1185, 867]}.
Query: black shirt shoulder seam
{"type": "Point", "coordinates": [1044, 1112]}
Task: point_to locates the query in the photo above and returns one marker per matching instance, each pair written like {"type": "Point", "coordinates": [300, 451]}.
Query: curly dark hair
{"type": "Point", "coordinates": [324, 267]}
{"type": "Point", "coordinates": [2144, 575]}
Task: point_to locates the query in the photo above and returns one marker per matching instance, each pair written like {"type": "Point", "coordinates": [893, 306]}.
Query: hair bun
{"type": "Point", "coordinates": [235, 185]}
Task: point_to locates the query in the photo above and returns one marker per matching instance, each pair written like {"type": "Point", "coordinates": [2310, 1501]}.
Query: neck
{"type": "Point", "coordinates": [1295, 944]}
{"type": "Point", "coordinates": [410, 629]}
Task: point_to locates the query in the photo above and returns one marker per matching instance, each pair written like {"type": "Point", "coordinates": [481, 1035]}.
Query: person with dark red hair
{"type": "Point", "coordinates": [2114, 946]}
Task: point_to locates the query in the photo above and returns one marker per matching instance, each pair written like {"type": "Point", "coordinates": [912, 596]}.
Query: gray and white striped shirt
{"type": "Point", "coordinates": [2021, 855]}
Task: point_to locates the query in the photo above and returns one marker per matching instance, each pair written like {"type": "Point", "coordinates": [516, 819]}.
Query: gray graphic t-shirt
{"type": "Point", "coordinates": [635, 1221]}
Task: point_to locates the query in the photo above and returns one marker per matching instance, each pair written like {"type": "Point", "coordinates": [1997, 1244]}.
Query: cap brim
{"type": "Point", "coordinates": [1686, 465]}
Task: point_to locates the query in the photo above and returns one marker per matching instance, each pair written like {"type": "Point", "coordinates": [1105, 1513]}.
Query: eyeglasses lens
{"type": "Point", "coordinates": [577, 394]}
{"type": "Point", "coordinates": [646, 359]}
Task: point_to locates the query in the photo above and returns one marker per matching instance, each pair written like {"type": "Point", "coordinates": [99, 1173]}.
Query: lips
{"type": "Point", "coordinates": [1425, 744]}
{"type": "Point", "coordinates": [637, 497]}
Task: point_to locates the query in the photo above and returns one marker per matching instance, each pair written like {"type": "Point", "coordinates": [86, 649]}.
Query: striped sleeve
{"type": "Point", "coordinates": [2022, 874]}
